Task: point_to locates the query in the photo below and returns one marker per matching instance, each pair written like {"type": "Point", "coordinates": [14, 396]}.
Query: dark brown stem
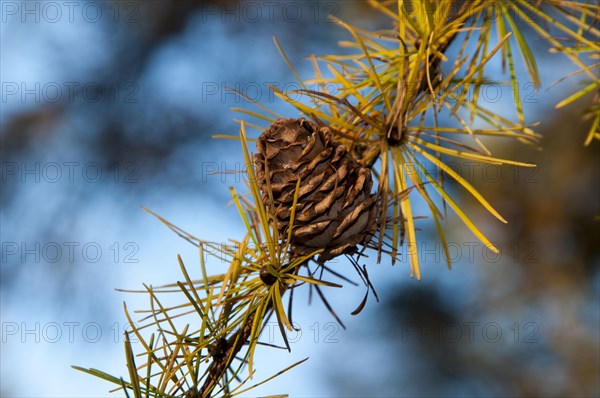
{"type": "Point", "coordinates": [229, 349]}
{"type": "Point", "coordinates": [221, 362]}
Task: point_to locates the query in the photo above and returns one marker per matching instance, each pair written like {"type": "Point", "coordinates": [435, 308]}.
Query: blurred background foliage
{"type": "Point", "coordinates": [541, 294]}
{"type": "Point", "coordinates": [166, 57]}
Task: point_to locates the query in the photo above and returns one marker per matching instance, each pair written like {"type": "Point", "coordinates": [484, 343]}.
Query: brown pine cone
{"type": "Point", "coordinates": [335, 209]}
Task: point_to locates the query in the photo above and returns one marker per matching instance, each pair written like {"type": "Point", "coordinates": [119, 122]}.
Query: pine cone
{"type": "Point", "coordinates": [335, 209]}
